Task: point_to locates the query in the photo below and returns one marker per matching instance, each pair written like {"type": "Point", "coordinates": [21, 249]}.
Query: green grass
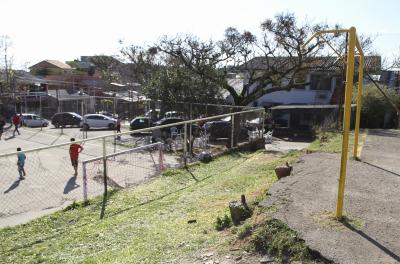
{"type": "Point", "coordinates": [275, 237]}
{"type": "Point", "coordinates": [147, 223]}
{"type": "Point", "coordinates": [330, 142]}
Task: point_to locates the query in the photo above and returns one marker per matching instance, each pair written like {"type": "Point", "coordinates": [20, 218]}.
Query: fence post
{"type": "Point", "coordinates": [262, 124]}
{"type": "Point", "coordinates": [185, 143]}
{"type": "Point", "coordinates": [84, 179]}
{"type": "Point", "coordinates": [161, 157]}
{"type": "Point", "coordinates": [190, 131]}
{"type": "Point", "coordinates": [105, 166]}
{"type": "Point", "coordinates": [115, 101]}
{"type": "Point", "coordinates": [103, 208]}
{"type": "Point", "coordinates": [232, 128]}
{"type": "Point", "coordinates": [115, 140]}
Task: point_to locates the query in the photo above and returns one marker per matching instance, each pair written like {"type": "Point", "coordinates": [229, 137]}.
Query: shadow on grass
{"type": "Point", "coordinates": [196, 179]}
{"type": "Point", "coordinates": [373, 241]}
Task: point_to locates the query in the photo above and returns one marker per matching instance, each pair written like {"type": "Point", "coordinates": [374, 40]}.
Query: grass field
{"type": "Point", "coordinates": [149, 223]}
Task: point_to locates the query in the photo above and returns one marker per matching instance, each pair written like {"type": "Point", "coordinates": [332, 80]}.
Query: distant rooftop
{"type": "Point", "coordinates": [285, 107]}
{"type": "Point", "coordinates": [56, 63]}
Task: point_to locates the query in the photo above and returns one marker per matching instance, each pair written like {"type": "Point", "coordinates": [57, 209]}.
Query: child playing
{"type": "Point", "coordinates": [21, 163]}
{"type": "Point", "coordinates": [74, 150]}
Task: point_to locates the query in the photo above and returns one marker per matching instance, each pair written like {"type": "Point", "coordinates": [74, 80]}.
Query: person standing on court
{"type": "Point", "coordinates": [16, 119]}
{"type": "Point", "coordinates": [21, 163]}
{"type": "Point", "coordinates": [118, 125]}
{"type": "Point", "coordinates": [74, 150]}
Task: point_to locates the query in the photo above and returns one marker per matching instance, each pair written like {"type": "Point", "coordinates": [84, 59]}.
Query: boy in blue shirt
{"type": "Point", "coordinates": [21, 163]}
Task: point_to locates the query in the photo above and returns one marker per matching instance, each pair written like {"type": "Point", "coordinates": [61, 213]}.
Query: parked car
{"type": "Point", "coordinates": [106, 114]}
{"type": "Point", "coordinates": [174, 114]}
{"type": "Point", "coordinates": [98, 121]}
{"type": "Point", "coordinates": [222, 129]}
{"type": "Point", "coordinates": [169, 120]}
{"type": "Point", "coordinates": [66, 119]}
{"type": "Point", "coordinates": [140, 122]}
{"type": "Point", "coordinates": [32, 120]}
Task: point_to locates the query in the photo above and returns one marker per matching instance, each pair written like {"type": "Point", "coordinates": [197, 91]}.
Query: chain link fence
{"type": "Point", "coordinates": [120, 160]}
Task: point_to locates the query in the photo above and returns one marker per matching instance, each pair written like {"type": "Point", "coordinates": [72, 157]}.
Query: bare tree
{"type": "Point", "coordinates": [6, 62]}
{"type": "Point", "coordinates": [274, 61]}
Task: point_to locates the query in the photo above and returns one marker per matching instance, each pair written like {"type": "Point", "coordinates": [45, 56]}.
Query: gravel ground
{"type": "Point", "coordinates": [306, 201]}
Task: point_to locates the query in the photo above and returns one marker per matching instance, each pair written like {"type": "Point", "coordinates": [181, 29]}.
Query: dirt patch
{"type": "Point", "coordinates": [306, 201]}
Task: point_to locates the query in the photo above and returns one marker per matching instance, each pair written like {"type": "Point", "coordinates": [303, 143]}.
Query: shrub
{"type": "Point", "coordinates": [375, 109]}
{"type": "Point", "coordinates": [223, 223]}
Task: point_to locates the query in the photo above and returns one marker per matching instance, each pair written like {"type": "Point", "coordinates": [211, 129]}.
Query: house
{"type": "Point", "coordinates": [50, 67]}
{"type": "Point", "coordinates": [314, 98]}
{"type": "Point", "coordinates": [390, 78]}
{"type": "Point", "coordinates": [303, 120]}
{"type": "Point", "coordinates": [322, 80]}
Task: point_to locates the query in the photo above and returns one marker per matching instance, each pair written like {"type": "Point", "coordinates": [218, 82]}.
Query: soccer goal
{"type": "Point", "coordinates": [122, 169]}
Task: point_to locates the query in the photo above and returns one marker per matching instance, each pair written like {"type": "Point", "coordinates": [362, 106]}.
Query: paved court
{"type": "Point", "coordinates": [50, 183]}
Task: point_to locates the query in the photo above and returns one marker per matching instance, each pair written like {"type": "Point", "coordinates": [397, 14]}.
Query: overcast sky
{"type": "Point", "coordinates": [67, 29]}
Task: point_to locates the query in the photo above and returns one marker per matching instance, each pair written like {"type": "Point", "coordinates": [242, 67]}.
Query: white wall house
{"type": "Point", "coordinates": [319, 91]}
{"type": "Point", "coordinates": [322, 79]}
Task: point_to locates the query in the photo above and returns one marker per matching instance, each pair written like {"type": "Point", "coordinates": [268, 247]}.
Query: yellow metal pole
{"type": "Point", "coordinates": [346, 119]}
{"type": "Point", "coordinates": [359, 103]}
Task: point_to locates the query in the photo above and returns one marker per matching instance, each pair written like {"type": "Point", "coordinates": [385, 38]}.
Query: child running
{"type": "Point", "coordinates": [74, 150]}
{"type": "Point", "coordinates": [21, 163]}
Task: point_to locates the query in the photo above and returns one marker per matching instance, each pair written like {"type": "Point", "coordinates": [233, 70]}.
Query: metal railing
{"type": "Point", "coordinates": [49, 172]}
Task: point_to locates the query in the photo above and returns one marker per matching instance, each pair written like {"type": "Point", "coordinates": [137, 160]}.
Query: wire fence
{"type": "Point", "coordinates": [117, 160]}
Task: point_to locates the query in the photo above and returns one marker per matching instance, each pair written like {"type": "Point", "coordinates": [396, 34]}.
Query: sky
{"type": "Point", "coordinates": [67, 29]}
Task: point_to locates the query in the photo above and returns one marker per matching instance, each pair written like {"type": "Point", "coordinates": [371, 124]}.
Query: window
{"type": "Point", "coordinates": [281, 119]}
{"type": "Point", "coordinates": [139, 121]}
{"type": "Point", "coordinates": [28, 117]}
{"type": "Point", "coordinates": [321, 82]}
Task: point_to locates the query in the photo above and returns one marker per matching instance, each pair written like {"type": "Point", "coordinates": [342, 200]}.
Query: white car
{"type": "Point", "coordinates": [98, 121]}
{"type": "Point", "coordinates": [32, 120]}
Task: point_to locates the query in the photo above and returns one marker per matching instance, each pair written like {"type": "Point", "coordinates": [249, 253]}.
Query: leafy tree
{"type": "Point", "coordinates": [375, 108]}
{"type": "Point", "coordinates": [108, 66]}
{"type": "Point", "coordinates": [165, 78]}
{"type": "Point", "coordinates": [271, 61]}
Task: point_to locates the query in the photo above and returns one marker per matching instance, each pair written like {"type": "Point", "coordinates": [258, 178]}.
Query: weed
{"type": "Point", "coordinates": [223, 223]}
{"type": "Point", "coordinates": [245, 230]}
{"type": "Point", "coordinates": [276, 238]}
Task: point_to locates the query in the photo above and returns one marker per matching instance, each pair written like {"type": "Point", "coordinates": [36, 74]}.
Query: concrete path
{"type": "Point", "coordinates": [306, 201]}
{"type": "Point", "coordinates": [279, 145]}
{"type": "Point", "coordinates": [382, 149]}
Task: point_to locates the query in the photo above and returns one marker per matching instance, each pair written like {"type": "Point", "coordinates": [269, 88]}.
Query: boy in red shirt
{"type": "Point", "coordinates": [74, 150]}
{"type": "Point", "coordinates": [16, 119]}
